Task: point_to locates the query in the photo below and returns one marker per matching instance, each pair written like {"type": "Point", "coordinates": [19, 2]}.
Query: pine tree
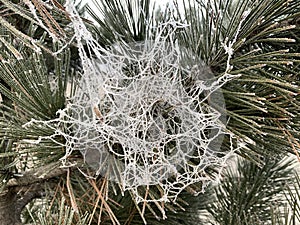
{"type": "Point", "coordinates": [41, 65]}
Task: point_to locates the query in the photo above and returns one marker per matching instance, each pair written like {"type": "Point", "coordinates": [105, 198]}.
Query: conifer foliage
{"type": "Point", "coordinates": [249, 53]}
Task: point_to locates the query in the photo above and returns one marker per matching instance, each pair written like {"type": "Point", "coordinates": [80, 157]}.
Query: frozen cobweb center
{"type": "Point", "coordinates": [141, 116]}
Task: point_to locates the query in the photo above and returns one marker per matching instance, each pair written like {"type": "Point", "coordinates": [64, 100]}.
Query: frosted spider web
{"type": "Point", "coordinates": [145, 114]}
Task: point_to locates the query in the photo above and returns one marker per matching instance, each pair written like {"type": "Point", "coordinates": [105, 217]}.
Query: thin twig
{"type": "Point", "coordinates": [71, 193]}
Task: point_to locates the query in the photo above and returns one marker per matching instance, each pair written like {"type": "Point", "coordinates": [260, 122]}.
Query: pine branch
{"type": "Point", "coordinates": [37, 175]}
{"type": "Point", "coordinates": [248, 195]}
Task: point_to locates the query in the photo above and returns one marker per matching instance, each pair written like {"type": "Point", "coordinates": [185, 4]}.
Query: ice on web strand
{"type": "Point", "coordinates": [143, 113]}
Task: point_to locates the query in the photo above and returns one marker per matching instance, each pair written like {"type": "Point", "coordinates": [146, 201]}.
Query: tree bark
{"type": "Point", "coordinates": [21, 190]}
{"type": "Point", "coordinates": [8, 207]}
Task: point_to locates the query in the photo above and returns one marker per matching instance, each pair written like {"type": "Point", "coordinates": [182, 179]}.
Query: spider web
{"type": "Point", "coordinates": [145, 114]}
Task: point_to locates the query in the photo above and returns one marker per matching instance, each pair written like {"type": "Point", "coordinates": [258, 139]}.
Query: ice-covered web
{"type": "Point", "coordinates": [145, 114]}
